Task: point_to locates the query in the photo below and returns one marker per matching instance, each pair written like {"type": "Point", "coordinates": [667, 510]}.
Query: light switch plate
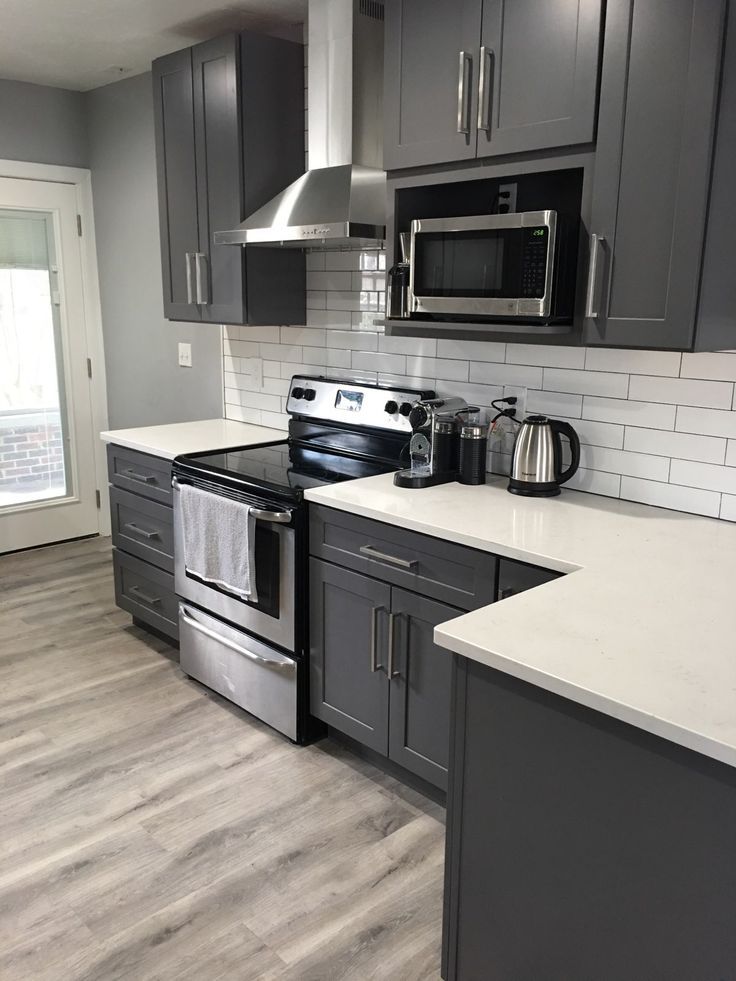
{"type": "Point", "coordinates": [185, 355]}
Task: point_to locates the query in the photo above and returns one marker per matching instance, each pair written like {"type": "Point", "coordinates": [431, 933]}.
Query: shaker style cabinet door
{"type": "Point", "coordinates": [421, 674]}
{"type": "Point", "coordinates": [537, 74]}
{"type": "Point", "coordinates": [659, 86]}
{"type": "Point", "coordinates": [348, 679]}
{"type": "Point", "coordinates": [430, 81]}
{"type": "Point", "coordinates": [177, 182]}
{"type": "Point", "coordinates": [218, 270]}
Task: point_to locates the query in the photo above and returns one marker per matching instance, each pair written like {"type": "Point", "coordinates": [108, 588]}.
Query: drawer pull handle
{"type": "Point", "coordinates": [146, 597]}
{"type": "Point", "coordinates": [375, 666]}
{"type": "Point", "coordinates": [142, 478]}
{"type": "Point", "coordinates": [140, 531]}
{"type": "Point", "coordinates": [373, 553]}
{"type": "Point", "coordinates": [392, 618]}
{"type": "Point", "coordinates": [189, 620]}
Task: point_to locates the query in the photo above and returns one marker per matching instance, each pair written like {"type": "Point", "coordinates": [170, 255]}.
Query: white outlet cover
{"type": "Point", "coordinates": [185, 355]}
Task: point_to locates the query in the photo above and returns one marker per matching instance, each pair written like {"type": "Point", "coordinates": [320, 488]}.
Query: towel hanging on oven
{"type": "Point", "coordinates": [219, 541]}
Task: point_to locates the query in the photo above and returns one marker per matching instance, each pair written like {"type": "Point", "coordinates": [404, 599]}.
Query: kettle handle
{"type": "Point", "coordinates": [560, 428]}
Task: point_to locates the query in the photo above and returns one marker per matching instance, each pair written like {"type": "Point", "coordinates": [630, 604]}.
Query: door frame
{"type": "Point", "coordinates": [81, 179]}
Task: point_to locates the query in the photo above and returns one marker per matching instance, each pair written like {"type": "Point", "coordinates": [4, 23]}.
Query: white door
{"type": "Point", "coordinates": [47, 449]}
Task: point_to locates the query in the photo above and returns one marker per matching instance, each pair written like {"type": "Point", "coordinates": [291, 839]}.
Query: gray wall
{"type": "Point", "coordinates": [42, 124]}
{"type": "Point", "coordinates": [145, 385]}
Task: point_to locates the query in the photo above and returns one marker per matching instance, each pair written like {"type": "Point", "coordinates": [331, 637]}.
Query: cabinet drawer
{"type": "Point", "coordinates": [140, 473]}
{"type": "Point", "coordinates": [515, 577]}
{"type": "Point", "coordinates": [452, 573]}
{"type": "Point", "coordinates": [146, 592]}
{"type": "Point", "coordinates": [143, 528]}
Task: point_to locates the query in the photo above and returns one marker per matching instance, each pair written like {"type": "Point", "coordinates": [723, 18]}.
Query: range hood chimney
{"type": "Point", "coordinates": [341, 200]}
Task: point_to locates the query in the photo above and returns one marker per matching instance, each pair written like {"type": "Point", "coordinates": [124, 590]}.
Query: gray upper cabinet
{"type": "Point", "coordinates": [229, 135]}
{"type": "Point", "coordinates": [659, 88]}
{"type": "Point", "coordinates": [538, 74]}
{"type": "Point", "coordinates": [488, 77]}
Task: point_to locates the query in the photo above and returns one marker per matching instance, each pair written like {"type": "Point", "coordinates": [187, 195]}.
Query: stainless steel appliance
{"type": "Point", "coordinates": [508, 267]}
{"type": "Point", "coordinates": [397, 287]}
{"type": "Point", "coordinates": [254, 653]}
{"type": "Point", "coordinates": [536, 463]}
{"type": "Point", "coordinates": [433, 450]}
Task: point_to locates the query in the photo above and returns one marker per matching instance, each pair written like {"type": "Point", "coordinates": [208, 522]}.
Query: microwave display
{"type": "Point", "coordinates": [485, 266]}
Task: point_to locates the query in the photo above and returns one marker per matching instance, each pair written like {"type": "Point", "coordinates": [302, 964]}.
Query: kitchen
{"type": "Point", "coordinates": [441, 730]}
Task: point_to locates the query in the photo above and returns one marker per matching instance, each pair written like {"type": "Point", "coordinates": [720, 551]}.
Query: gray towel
{"type": "Point", "coordinates": [219, 540]}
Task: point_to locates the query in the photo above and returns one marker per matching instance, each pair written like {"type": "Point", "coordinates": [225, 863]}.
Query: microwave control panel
{"type": "Point", "coordinates": [534, 268]}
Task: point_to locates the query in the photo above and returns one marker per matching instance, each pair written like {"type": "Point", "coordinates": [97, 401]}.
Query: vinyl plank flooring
{"type": "Point", "coordinates": [151, 831]}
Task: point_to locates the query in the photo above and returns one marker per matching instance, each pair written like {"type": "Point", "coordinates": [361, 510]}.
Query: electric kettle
{"type": "Point", "coordinates": [536, 463]}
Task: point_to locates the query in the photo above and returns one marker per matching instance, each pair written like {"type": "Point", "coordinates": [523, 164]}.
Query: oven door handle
{"type": "Point", "coordinates": [276, 662]}
{"type": "Point", "coordinates": [260, 514]}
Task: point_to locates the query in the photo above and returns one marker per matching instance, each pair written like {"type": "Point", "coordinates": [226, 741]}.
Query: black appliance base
{"type": "Point", "coordinates": [405, 478]}
{"type": "Point", "coordinates": [524, 489]}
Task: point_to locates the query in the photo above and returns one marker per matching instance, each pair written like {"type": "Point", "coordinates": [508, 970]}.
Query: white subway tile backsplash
{"type": "Point", "coordinates": [719, 366]}
{"type": "Point", "coordinates": [585, 382]}
{"type": "Point", "coordinates": [633, 362]}
{"type": "Point", "coordinates": [545, 355]}
{"type": "Point", "coordinates": [491, 373]}
{"type": "Point", "coordinates": [709, 422]}
{"type": "Point", "coordinates": [648, 414]}
{"type": "Point", "coordinates": [706, 449]}
{"type": "Point", "coordinates": [706, 475]}
{"type": "Point", "coordinates": [681, 391]}
{"type": "Point", "coordinates": [655, 426]}
{"type": "Point", "coordinates": [671, 496]}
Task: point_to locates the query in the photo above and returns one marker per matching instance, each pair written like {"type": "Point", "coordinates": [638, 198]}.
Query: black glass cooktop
{"type": "Point", "coordinates": [285, 469]}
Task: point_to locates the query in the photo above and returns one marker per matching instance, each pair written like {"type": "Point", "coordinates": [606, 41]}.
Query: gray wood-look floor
{"type": "Point", "coordinates": [148, 830]}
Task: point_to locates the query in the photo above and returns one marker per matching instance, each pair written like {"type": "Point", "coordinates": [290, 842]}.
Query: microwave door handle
{"type": "Point", "coordinates": [596, 242]}
{"type": "Point", "coordinates": [485, 86]}
{"type": "Point", "coordinates": [463, 93]}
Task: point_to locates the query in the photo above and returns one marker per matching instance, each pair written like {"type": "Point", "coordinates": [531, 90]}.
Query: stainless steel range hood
{"type": "Point", "coordinates": [341, 201]}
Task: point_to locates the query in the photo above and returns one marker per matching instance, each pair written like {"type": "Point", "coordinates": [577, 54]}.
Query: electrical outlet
{"type": "Point", "coordinates": [185, 355]}
{"type": "Point", "coordinates": [520, 393]}
{"type": "Point", "coordinates": [507, 197]}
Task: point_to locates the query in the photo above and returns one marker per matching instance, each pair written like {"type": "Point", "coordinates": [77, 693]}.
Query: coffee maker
{"type": "Point", "coordinates": [433, 446]}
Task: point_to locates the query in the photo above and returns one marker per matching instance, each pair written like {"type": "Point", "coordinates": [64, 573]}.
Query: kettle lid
{"type": "Point", "coordinates": [536, 420]}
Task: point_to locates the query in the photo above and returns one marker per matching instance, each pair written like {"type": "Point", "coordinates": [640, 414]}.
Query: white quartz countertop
{"type": "Point", "coordinates": [191, 437]}
{"type": "Point", "coordinates": [644, 627]}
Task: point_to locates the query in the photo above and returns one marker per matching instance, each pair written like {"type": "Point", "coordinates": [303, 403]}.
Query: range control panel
{"type": "Point", "coordinates": [354, 402]}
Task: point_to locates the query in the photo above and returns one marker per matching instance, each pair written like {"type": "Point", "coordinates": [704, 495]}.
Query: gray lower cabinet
{"type": "Point", "coordinates": [659, 90]}
{"type": "Point", "coordinates": [480, 78]}
{"type": "Point", "coordinates": [229, 129]}
{"type": "Point", "coordinates": [143, 538]}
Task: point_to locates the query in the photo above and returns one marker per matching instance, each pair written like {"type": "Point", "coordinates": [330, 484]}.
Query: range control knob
{"type": "Point", "coordinates": [405, 408]}
{"type": "Point", "coordinates": [297, 393]}
{"type": "Point", "coordinates": [391, 407]}
{"type": "Point", "coordinates": [418, 417]}
{"type": "Point", "coordinates": [310, 395]}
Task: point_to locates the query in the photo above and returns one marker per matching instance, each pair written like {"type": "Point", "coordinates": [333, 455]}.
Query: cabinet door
{"type": "Point", "coordinates": [538, 74]}
{"type": "Point", "coordinates": [430, 87]}
{"type": "Point", "coordinates": [419, 712]}
{"type": "Point", "coordinates": [659, 84]}
{"type": "Point", "coordinates": [177, 181]}
{"type": "Point", "coordinates": [219, 273]}
{"type": "Point", "coordinates": [347, 667]}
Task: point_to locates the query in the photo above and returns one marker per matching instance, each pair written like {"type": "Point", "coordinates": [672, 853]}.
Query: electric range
{"type": "Point", "coordinates": [255, 652]}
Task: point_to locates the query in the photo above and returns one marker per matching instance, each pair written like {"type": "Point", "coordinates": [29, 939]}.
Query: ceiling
{"type": "Point", "coordinates": [82, 44]}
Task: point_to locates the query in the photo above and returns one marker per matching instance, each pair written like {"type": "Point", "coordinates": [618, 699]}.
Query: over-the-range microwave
{"type": "Point", "coordinates": [516, 268]}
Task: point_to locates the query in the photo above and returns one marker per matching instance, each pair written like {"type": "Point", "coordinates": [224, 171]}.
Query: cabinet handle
{"type": "Point", "coordinates": [485, 80]}
{"type": "Point", "coordinates": [146, 597]}
{"type": "Point", "coordinates": [131, 526]}
{"type": "Point", "coordinates": [375, 666]}
{"type": "Point", "coordinates": [373, 553]}
{"type": "Point", "coordinates": [142, 478]}
{"type": "Point", "coordinates": [200, 276]}
{"type": "Point", "coordinates": [463, 93]}
{"type": "Point", "coordinates": [190, 288]}
{"type": "Point", "coordinates": [392, 618]}
{"type": "Point", "coordinates": [596, 241]}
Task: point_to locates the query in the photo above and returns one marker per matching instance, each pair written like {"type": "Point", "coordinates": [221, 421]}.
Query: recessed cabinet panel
{"type": "Point", "coordinates": [540, 68]}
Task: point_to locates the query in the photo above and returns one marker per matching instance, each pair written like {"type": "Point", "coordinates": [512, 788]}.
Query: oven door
{"type": "Point", "coordinates": [273, 615]}
{"type": "Point", "coordinates": [484, 265]}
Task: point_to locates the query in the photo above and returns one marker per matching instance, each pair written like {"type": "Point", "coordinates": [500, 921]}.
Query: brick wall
{"type": "Point", "coordinates": [30, 453]}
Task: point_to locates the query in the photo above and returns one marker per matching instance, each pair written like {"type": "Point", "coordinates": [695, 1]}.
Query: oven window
{"type": "Point", "coordinates": [480, 263]}
{"type": "Point", "coordinates": [267, 573]}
